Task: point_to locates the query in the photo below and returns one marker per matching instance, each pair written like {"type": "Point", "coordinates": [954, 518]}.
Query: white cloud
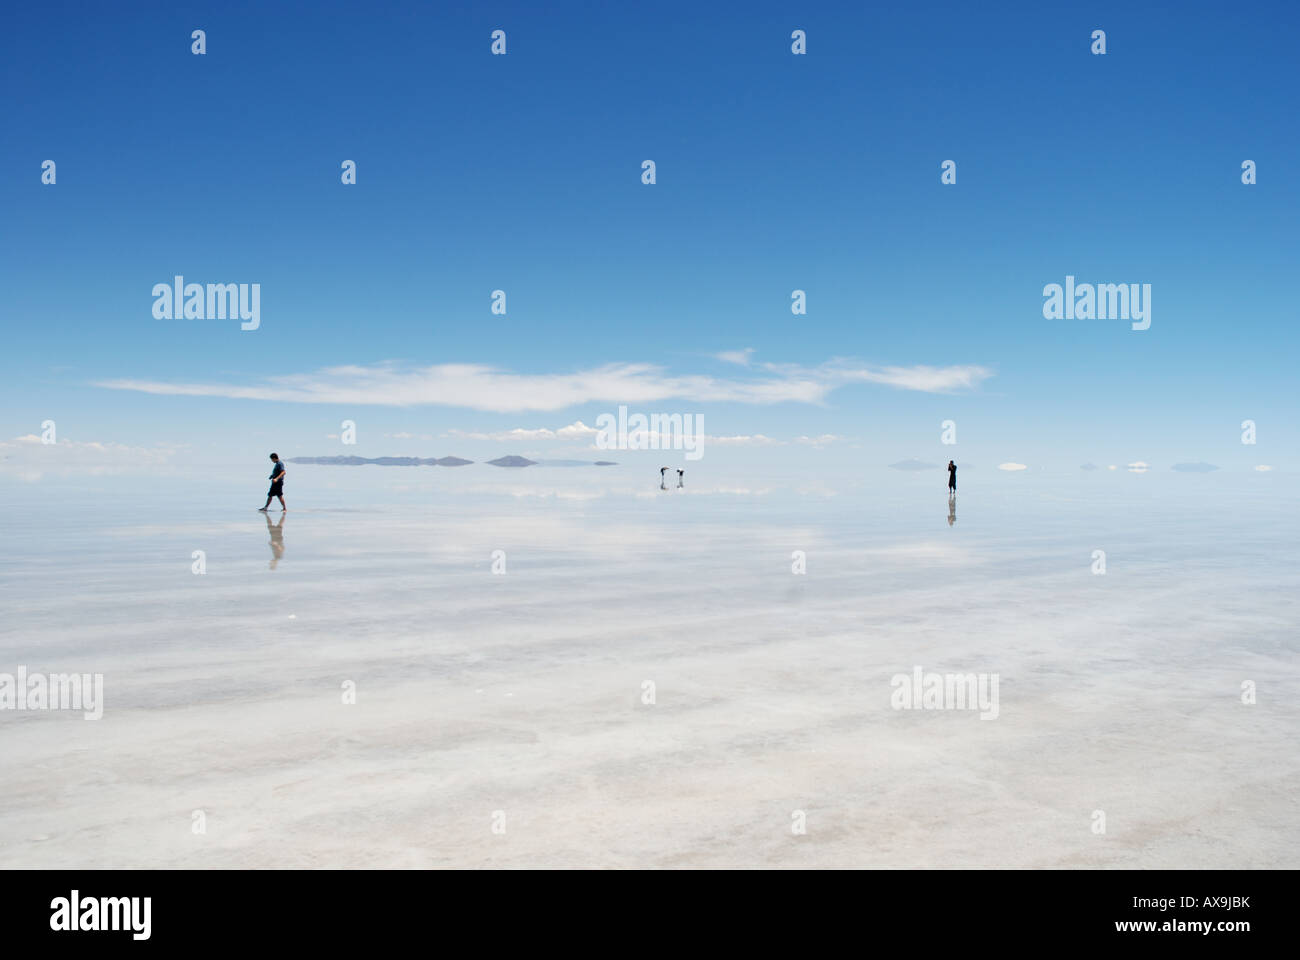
{"type": "Point", "coordinates": [1138, 466]}
{"type": "Point", "coordinates": [1263, 468]}
{"type": "Point", "coordinates": [923, 378]}
{"type": "Point", "coordinates": [29, 458]}
{"type": "Point", "coordinates": [739, 357]}
{"type": "Point", "coordinates": [755, 440]}
{"type": "Point", "coordinates": [479, 387]}
{"type": "Point", "coordinates": [642, 439]}
{"type": "Point", "coordinates": [1012, 466]}
{"type": "Point", "coordinates": [574, 431]}
{"type": "Point", "coordinates": [823, 440]}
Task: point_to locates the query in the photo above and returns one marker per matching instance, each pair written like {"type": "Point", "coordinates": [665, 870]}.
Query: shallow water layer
{"type": "Point", "coordinates": [640, 678]}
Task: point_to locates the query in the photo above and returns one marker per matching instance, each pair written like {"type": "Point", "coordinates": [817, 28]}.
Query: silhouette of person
{"type": "Point", "coordinates": [680, 474]}
{"type": "Point", "coordinates": [277, 483]}
{"type": "Point", "coordinates": [952, 476]}
{"type": "Point", "coordinates": [277, 538]}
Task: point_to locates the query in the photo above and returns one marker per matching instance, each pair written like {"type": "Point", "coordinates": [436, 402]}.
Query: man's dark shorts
{"type": "Point", "coordinates": [277, 489]}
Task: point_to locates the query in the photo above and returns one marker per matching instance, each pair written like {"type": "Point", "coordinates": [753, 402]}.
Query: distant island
{"type": "Point", "coordinates": [512, 461]}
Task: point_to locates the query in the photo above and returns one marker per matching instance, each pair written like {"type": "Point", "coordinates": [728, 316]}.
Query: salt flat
{"type": "Point", "coordinates": [518, 699]}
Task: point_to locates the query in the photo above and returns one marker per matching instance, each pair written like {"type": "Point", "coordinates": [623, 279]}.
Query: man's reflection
{"type": "Point", "coordinates": [952, 508]}
{"type": "Point", "coordinates": [276, 530]}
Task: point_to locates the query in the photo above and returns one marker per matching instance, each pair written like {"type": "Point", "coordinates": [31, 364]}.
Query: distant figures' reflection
{"type": "Point", "coordinates": [952, 507]}
{"type": "Point", "coordinates": [276, 530]}
{"type": "Point", "coordinates": [663, 478]}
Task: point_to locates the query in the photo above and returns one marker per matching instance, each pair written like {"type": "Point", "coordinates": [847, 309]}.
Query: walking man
{"type": "Point", "coordinates": [277, 483]}
{"type": "Point", "coordinates": [952, 478]}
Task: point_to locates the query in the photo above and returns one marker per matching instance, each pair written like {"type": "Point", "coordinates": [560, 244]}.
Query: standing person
{"type": "Point", "coordinates": [952, 478]}
{"type": "Point", "coordinates": [277, 484]}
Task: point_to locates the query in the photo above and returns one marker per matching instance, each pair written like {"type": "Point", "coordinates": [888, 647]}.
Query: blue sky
{"type": "Point", "coordinates": [775, 172]}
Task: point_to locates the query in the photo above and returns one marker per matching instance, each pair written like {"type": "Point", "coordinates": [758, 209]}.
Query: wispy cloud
{"type": "Point", "coordinates": [29, 458]}
{"type": "Point", "coordinates": [738, 357]}
{"type": "Point", "coordinates": [824, 440]}
{"type": "Point", "coordinates": [923, 378]}
{"type": "Point", "coordinates": [480, 387]}
{"type": "Point", "coordinates": [749, 440]}
{"type": "Point", "coordinates": [574, 431]}
{"type": "Point", "coordinates": [1012, 467]}
{"type": "Point", "coordinates": [645, 439]}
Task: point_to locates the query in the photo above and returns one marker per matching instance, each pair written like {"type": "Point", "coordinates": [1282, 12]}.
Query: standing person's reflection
{"type": "Point", "coordinates": [952, 508]}
{"type": "Point", "coordinates": [276, 531]}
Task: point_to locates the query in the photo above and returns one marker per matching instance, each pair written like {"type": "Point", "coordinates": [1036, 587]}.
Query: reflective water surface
{"type": "Point", "coordinates": [624, 671]}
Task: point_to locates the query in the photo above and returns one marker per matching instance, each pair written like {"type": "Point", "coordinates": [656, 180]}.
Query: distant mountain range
{"type": "Point", "coordinates": [510, 461]}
